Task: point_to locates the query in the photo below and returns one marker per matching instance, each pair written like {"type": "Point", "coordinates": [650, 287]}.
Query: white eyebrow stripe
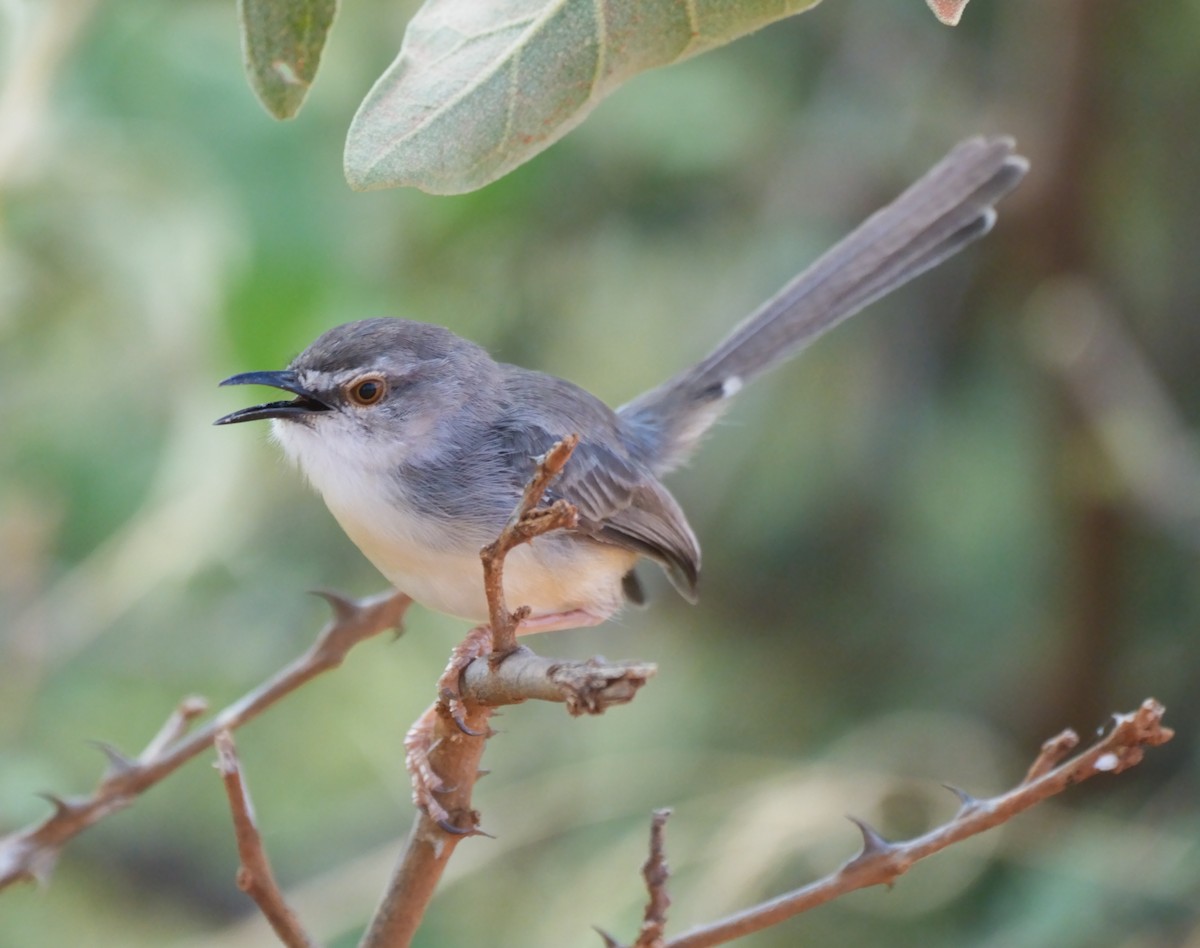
{"type": "Point", "coordinates": [318, 380]}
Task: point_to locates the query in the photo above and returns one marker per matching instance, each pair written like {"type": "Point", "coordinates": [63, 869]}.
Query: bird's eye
{"type": "Point", "coordinates": [367, 391]}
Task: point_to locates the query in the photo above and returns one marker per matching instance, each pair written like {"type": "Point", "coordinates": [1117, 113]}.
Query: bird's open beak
{"type": "Point", "coordinates": [305, 402]}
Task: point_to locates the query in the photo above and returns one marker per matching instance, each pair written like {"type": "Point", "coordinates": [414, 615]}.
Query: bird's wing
{"type": "Point", "coordinates": [619, 501]}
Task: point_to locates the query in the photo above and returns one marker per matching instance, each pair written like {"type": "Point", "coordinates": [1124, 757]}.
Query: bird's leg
{"type": "Point", "coordinates": [559, 622]}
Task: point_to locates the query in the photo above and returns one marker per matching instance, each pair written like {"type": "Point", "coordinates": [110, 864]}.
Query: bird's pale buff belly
{"type": "Point", "coordinates": [549, 576]}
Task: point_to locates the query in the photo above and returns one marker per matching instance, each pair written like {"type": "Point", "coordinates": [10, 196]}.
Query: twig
{"type": "Point", "coordinates": [254, 876]}
{"type": "Point", "coordinates": [881, 862]}
{"type": "Point", "coordinates": [174, 728]}
{"type": "Point", "coordinates": [37, 57]}
{"type": "Point", "coordinates": [1053, 752]}
{"type": "Point", "coordinates": [450, 749]}
{"type": "Point", "coordinates": [656, 872]}
{"type": "Point", "coordinates": [30, 854]}
{"type": "Point", "coordinates": [527, 522]}
{"type": "Point", "coordinates": [1076, 333]}
{"type": "Point", "coordinates": [455, 758]}
{"type": "Point", "coordinates": [586, 687]}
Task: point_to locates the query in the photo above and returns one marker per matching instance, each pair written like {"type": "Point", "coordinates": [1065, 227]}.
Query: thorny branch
{"type": "Point", "coordinates": [30, 853]}
{"type": "Point", "coordinates": [584, 687]}
{"type": "Point", "coordinates": [881, 862]}
{"type": "Point", "coordinates": [445, 749]}
{"type": "Point", "coordinates": [455, 754]}
{"type": "Point", "coordinates": [254, 876]}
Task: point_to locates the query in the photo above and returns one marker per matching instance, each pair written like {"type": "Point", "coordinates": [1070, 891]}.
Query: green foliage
{"type": "Point", "coordinates": [480, 88]}
{"type": "Point", "coordinates": [282, 43]}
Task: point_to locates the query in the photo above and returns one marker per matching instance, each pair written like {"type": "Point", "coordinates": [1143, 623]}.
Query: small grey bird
{"type": "Point", "coordinates": [421, 444]}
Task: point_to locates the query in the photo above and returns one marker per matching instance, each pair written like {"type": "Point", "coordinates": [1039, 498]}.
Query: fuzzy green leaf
{"type": "Point", "coordinates": [480, 87]}
{"type": "Point", "coordinates": [281, 45]}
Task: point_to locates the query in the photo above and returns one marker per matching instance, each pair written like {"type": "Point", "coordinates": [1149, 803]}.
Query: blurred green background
{"type": "Point", "coordinates": [966, 520]}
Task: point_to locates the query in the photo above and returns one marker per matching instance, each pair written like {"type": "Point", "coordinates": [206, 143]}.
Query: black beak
{"type": "Point", "coordinates": [305, 403]}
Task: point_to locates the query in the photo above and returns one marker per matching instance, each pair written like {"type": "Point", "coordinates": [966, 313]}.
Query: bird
{"type": "Point", "coordinates": [421, 443]}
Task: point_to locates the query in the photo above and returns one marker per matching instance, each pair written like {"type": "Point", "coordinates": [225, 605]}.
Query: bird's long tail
{"type": "Point", "coordinates": [944, 211]}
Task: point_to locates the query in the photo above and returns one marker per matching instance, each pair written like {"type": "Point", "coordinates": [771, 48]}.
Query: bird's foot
{"type": "Point", "coordinates": [449, 687]}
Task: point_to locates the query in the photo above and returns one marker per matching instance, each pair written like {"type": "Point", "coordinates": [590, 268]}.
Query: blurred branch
{"type": "Point", "coordinates": [254, 876]}
{"type": "Point", "coordinates": [1076, 335]}
{"type": "Point", "coordinates": [656, 872]}
{"type": "Point", "coordinates": [37, 51]}
{"type": "Point", "coordinates": [31, 853]}
{"type": "Point", "coordinates": [881, 862]}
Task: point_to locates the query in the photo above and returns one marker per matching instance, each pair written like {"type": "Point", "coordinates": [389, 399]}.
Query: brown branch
{"type": "Point", "coordinates": [455, 758]}
{"type": "Point", "coordinates": [881, 862]}
{"type": "Point", "coordinates": [1054, 751]}
{"type": "Point", "coordinates": [446, 747]}
{"type": "Point", "coordinates": [30, 854]}
{"type": "Point", "coordinates": [656, 872]}
{"type": "Point", "coordinates": [254, 876]}
{"type": "Point", "coordinates": [1079, 335]}
{"type": "Point", "coordinates": [586, 687]}
{"type": "Point", "coordinates": [527, 522]}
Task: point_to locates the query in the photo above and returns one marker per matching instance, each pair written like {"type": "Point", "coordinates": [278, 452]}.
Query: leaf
{"type": "Point", "coordinates": [948, 11]}
{"type": "Point", "coordinates": [480, 87]}
{"type": "Point", "coordinates": [281, 45]}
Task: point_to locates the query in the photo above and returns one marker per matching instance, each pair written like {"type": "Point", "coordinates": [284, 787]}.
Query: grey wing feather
{"type": "Point", "coordinates": [620, 500]}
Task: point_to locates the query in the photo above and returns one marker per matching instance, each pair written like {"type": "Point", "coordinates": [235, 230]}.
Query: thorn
{"type": "Point", "coordinates": [609, 941]}
{"type": "Point", "coordinates": [481, 773]}
{"type": "Point", "coordinates": [41, 866]}
{"type": "Point", "coordinates": [873, 842]}
{"type": "Point", "coordinates": [118, 762]}
{"type": "Point", "coordinates": [967, 803]}
{"type": "Point", "coordinates": [61, 806]}
{"type": "Point", "coordinates": [344, 609]}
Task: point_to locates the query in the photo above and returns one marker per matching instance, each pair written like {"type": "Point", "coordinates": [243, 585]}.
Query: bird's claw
{"type": "Point", "coordinates": [450, 704]}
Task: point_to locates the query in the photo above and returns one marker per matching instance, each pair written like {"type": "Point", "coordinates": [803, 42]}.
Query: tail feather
{"type": "Point", "coordinates": [944, 211]}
